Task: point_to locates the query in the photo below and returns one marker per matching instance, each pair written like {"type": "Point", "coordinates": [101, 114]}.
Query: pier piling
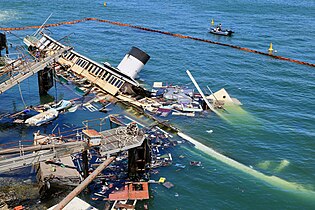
{"type": "Point", "coordinates": [45, 80]}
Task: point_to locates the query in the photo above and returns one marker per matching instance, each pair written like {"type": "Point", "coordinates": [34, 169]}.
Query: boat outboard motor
{"type": "Point", "coordinates": [133, 62]}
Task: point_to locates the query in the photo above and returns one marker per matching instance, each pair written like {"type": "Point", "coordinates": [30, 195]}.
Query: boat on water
{"type": "Point", "coordinates": [62, 105]}
{"type": "Point", "coordinates": [226, 32]}
{"type": "Point", "coordinates": [43, 117]}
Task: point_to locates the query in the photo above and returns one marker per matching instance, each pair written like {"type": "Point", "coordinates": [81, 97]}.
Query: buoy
{"type": "Point", "coordinates": [162, 180]}
{"type": "Point", "coordinates": [212, 22]}
{"type": "Point", "coordinates": [105, 4]}
{"type": "Point", "coordinates": [270, 48]}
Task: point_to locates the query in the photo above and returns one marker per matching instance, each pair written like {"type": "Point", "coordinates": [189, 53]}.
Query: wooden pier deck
{"type": "Point", "coordinates": [120, 139]}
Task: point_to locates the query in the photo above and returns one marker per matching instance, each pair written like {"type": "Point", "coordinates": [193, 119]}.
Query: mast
{"type": "Point", "coordinates": [201, 93]}
{"type": "Point", "coordinates": [41, 27]}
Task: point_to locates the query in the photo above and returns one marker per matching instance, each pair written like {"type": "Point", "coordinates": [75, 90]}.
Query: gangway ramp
{"type": "Point", "coordinates": [21, 159]}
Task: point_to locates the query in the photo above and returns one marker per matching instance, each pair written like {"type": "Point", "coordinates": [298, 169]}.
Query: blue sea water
{"type": "Point", "coordinates": [276, 136]}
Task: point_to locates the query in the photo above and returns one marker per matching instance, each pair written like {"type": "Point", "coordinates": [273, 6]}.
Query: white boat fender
{"type": "Point", "coordinates": [209, 131]}
{"type": "Point", "coordinates": [169, 154]}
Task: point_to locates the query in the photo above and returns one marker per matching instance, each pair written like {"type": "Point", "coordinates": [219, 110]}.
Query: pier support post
{"type": "Point", "coordinates": [110, 124]}
{"type": "Point", "coordinates": [3, 43]}
{"type": "Point", "coordinates": [45, 80]}
{"type": "Point", "coordinates": [137, 160]}
{"type": "Point", "coordinates": [85, 164]}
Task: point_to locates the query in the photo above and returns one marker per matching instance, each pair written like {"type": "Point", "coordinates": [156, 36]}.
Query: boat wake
{"type": "Point", "coordinates": [7, 15]}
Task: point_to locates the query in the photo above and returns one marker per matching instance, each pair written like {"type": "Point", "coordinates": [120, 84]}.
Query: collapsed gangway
{"type": "Point", "coordinates": [21, 69]}
{"type": "Point", "coordinates": [24, 156]}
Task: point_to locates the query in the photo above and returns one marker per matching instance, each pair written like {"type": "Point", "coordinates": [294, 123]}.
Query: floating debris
{"type": "Point", "coordinates": [131, 191]}
{"type": "Point", "coordinates": [179, 165]}
{"type": "Point", "coordinates": [168, 185]}
{"type": "Point", "coordinates": [62, 105]}
{"type": "Point", "coordinates": [195, 163]}
{"type": "Point", "coordinates": [162, 180]}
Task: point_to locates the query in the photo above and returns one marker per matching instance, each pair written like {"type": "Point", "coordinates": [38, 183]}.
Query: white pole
{"type": "Point", "coordinates": [201, 93]}
{"type": "Point", "coordinates": [40, 28]}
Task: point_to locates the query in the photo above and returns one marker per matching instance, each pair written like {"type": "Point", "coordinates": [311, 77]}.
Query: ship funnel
{"type": "Point", "coordinates": [133, 62]}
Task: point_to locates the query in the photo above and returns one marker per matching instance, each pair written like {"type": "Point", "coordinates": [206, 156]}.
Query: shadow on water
{"type": "Point", "coordinates": [44, 99]}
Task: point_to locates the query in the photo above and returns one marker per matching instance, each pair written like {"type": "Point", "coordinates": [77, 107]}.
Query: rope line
{"type": "Point", "coordinates": [161, 32]}
{"type": "Point", "coordinates": [21, 95]}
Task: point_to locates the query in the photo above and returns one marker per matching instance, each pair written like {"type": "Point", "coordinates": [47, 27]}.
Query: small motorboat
{"type": "Point", "coordinates": [226, 32]}
{"type": "Point", "coordinates": [62, 105]}
{"type": "Point", "coordinates": [42, 118]}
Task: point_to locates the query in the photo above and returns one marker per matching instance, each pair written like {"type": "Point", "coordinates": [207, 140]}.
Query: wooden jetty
{"type": "Point", "coordinates": [55, 168]}
{"type": "Point", "coordinates": [110, 141]}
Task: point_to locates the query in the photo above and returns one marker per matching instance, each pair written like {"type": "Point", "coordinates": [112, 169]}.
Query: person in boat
{"type": "Point", "coordinates": [219, 27]}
